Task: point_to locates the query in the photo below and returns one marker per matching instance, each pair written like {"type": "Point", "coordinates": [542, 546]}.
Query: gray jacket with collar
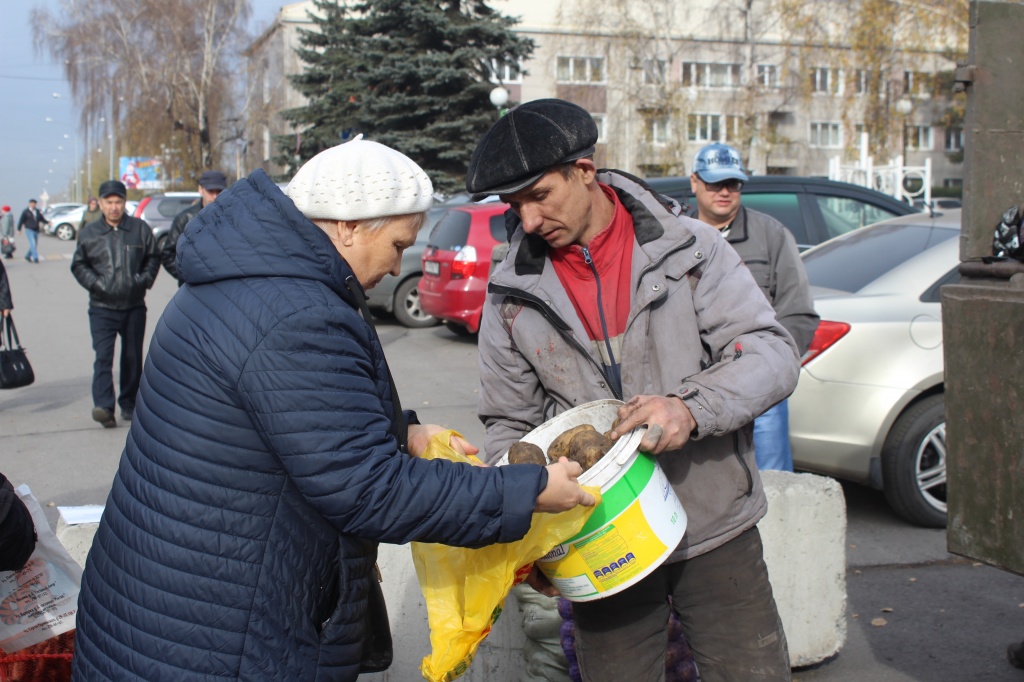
{"type": "Point", "coordinates": [770, 251]}
{"type": "Point", "coordinates": [698, 328]}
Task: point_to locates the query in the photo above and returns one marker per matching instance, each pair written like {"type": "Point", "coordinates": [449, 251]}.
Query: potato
{"type": "Point", "coordinates": [560, 446]}
{"type": "Point", "coordinates": [526, 453]}
{"type": "Point", "coordinates": [610, 429]}
{"type": "Point", "coordinates": [588, 447]}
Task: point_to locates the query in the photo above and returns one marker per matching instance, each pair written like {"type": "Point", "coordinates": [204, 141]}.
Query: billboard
{"type": "Point", "coordinates": [142, 172]}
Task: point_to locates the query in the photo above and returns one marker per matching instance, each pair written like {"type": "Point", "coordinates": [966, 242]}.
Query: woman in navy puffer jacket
{"type": "Point", "coordinates": [264, 464]}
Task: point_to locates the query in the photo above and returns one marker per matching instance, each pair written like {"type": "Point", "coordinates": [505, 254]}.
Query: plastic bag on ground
{"type": "Point", "coordinates": [465, 589]}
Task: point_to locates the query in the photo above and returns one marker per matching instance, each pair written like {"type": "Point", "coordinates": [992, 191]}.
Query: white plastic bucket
{"type": "Point", "coordinates": [639, 522]}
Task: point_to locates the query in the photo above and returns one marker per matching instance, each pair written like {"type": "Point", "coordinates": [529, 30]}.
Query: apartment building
{"type": "Point", "coordinates": [663, 78]}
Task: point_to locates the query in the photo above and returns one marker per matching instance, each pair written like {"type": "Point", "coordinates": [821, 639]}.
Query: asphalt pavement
{"type": "Point", "coordinates": [915, 612]}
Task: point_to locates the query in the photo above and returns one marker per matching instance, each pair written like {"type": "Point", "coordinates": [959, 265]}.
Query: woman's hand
{"type": "Point", "coordinates": [420, 434]}
{"type": "Point", "coordinates": [562, 491]}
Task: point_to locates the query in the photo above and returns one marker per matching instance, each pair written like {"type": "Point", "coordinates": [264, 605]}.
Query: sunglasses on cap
{"type": "Point", "coordinates": [732, 184]}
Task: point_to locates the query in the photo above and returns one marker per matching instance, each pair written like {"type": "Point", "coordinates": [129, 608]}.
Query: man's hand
{"type": "Point", "coordinates": [669, 422]}
{"type": "Point", "coordinates": [562, 492]}
{"type": "Point", "coordinates": [420, 434]}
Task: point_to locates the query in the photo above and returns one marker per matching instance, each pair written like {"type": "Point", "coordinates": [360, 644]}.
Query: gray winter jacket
{"type": "Point", "coordinates": [770, 251]}
{"type": "Point", "coordinates": [698, 329]}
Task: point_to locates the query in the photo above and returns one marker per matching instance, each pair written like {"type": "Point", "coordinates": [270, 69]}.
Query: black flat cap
{"type": "Point", "coordinates": [113, 187]}
{"type": "Point", "coordinates": [526, 142]}
{"type": "Point", "coordinates": [213, 180]}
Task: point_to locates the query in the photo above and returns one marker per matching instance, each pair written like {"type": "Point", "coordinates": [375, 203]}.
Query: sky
{"type": "Point", "coordinates": [38, 120]}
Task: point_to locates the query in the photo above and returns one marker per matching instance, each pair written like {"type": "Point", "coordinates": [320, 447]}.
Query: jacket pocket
{"type": "Point", "coordinates": [762, 274]}
{"type": "Point", "coordinates": [741, 445]}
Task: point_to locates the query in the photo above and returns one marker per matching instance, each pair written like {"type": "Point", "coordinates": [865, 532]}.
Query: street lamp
{"type": "Point", "coordinates": [499, 98]}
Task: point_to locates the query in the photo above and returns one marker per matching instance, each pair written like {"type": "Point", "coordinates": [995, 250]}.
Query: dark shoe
{"type": "Point", "coordinates": [1015, 654]}
{"type": "Point", "coordinates": [104, 416]}
{"type": "Point", "coordinates": [127, 414]}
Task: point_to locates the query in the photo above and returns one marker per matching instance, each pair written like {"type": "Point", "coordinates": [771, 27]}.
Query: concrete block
{"type": "Point", "coordinates": [76, 538]}
{"type": "Point", "coordinates": [804, 536]}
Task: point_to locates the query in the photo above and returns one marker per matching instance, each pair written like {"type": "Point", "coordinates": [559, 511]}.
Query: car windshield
{"type": "Point", "coordinates": [850, 264]}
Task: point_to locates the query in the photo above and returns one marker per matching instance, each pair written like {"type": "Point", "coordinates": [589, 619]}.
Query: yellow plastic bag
{"type": "Point", "coordinates": [465, 589]}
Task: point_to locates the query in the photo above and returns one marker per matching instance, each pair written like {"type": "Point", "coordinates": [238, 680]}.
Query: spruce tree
{"type": "Point", "coordinates": [412, 74]}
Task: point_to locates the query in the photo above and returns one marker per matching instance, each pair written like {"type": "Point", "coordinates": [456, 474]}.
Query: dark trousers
{"type": "Point", "coordinates": [106, 325]}
{"type": "Point", "coordinates": [726, 608]}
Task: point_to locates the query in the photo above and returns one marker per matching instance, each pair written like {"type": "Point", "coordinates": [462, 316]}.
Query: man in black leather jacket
{"type": "Point", "coordinates": [117, 262]}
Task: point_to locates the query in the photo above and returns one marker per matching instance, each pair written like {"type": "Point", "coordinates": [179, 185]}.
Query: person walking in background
{"type": "Point", "coordinates": [91, 214]}
{"type": "Point", "coordinates": [7, 232]}
{"type": "Point", "coordinates": [116, 262]}
{"type": "Point", "coordinates": [769, 251]}
{"type": "Point", "coordinates": [608, 291]}
{"type": "Point", "coordinates": [211, 184]}
{"type": "Point", "coordinates": [6, 303]}
{"type": "Point", "coordinates": [32, 219]}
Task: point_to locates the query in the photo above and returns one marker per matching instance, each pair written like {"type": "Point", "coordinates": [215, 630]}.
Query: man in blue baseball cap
{"type": "Point", "coordinates": [770, 253]}
{"type": "Point", "coordinates": [609, 291]}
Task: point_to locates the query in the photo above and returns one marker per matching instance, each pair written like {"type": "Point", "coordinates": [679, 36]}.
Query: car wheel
{"type": "Point", "coordinates": [407, 305]}
{"type": "Point", "coordinates": [914, 464]}
{"type": "Point", "coordinates": [458, 329]}
{"type": "Point", "coordinates": [65, 232]}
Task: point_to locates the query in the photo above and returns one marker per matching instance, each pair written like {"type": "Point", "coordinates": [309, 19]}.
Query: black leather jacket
{"type": "Point", "coordinates": [116, 266]}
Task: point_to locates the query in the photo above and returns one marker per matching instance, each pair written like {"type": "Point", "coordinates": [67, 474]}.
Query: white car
{"type": "Point", "coordinates": [64, 220]}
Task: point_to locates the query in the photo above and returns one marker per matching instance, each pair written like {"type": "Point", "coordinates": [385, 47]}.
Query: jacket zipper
{"type": "Point", "coordinates": [615, 367]}
{"type": "Point", "coordinates": [560, 326]}
{"type": "Point", "coordinates": [739, 456]}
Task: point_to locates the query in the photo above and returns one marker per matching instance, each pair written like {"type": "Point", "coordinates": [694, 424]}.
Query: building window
{"type": "Point", "coordinates": [767, 75]}
{"type": "Point", "coordinates": [505, 73]}
{"type": "Point", "coordinates": [704, 127]}
{"type": "Point", "coordinates": [825, 80]}
{"type": "Point", "coordinates": [919, 137]}
{"type": "Point", "coordinates": [657, 129]}
{"type": "Point", "coordinates": [954, 139]}
{"type": "Point", "coordinates": [599, 119]}
{"type": "Point", "coordinates": [916, 83]}
{"type": "Point", "coordinates": [708, 75]}
{"type": "Point", "coordinates": [953, 182]}
{"type": "Point", "coordinates": [861, 81]}
{"type": "Point", "coordinates": [825, 135]}
{"type": "Point", "coordinates": [580, 70]}
{"type": "Point", "coordinates": [733, 128]}
{"type": "Point", "coordinates": [654, 71]}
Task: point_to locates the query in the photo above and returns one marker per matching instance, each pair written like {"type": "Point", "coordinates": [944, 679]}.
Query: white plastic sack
{"type": "Point", "coordinates": [39, 601]}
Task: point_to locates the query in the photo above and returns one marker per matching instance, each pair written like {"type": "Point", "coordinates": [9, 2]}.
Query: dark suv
{"type": "Point", "coordinates": [159, 210]}
{"type": "Point", "coordinates": [814, 209]}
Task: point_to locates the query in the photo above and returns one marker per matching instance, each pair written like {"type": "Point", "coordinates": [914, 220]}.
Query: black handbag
{"type": "Point", "coordinates": [15, 370]}
{"type": "Point", "coordinates": [378, 652]}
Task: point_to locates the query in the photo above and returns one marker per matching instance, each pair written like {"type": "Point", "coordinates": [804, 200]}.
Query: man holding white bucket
{"type": "Point", "coordinates": [610, 291]}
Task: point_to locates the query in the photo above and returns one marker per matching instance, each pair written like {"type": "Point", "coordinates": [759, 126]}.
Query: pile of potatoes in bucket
{"type": "Point", "coordinates": [583, 444]}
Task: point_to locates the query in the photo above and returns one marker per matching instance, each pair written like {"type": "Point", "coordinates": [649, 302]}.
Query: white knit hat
{"type": "Point", "coordinates": [360, 180]}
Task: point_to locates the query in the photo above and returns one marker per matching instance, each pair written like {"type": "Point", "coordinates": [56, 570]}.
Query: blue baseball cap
{"type": "Point", "coordinates": [717, 162]}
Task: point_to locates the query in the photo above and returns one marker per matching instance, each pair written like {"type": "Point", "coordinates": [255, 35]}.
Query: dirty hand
{"type": "Point", "coordinates": [540, 582]}
{"type": "Point", "coordinates": [562, 491]}
{"type": "Point", "coordinates": [669, 422]}
{"type": "Point", "coordinates": [420, 435]}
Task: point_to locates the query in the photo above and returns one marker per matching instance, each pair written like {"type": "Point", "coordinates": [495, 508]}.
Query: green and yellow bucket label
{"type": "Point", "coordinates": [637, 525]}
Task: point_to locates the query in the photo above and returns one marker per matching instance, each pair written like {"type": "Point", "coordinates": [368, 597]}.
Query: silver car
{"type": "Point", "coordinates": [869, 406]}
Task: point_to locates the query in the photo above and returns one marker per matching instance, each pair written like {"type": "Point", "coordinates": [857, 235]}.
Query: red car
{"type": "Point", "coordinates": [457, 264]}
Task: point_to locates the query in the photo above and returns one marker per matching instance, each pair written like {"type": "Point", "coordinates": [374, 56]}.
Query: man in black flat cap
{"type": "Point", "coordinates": [116, 262]}
{"type": "Point", "coordinates": [610, 291]}
{"type": "Point", "coordinates": [211, 184]}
